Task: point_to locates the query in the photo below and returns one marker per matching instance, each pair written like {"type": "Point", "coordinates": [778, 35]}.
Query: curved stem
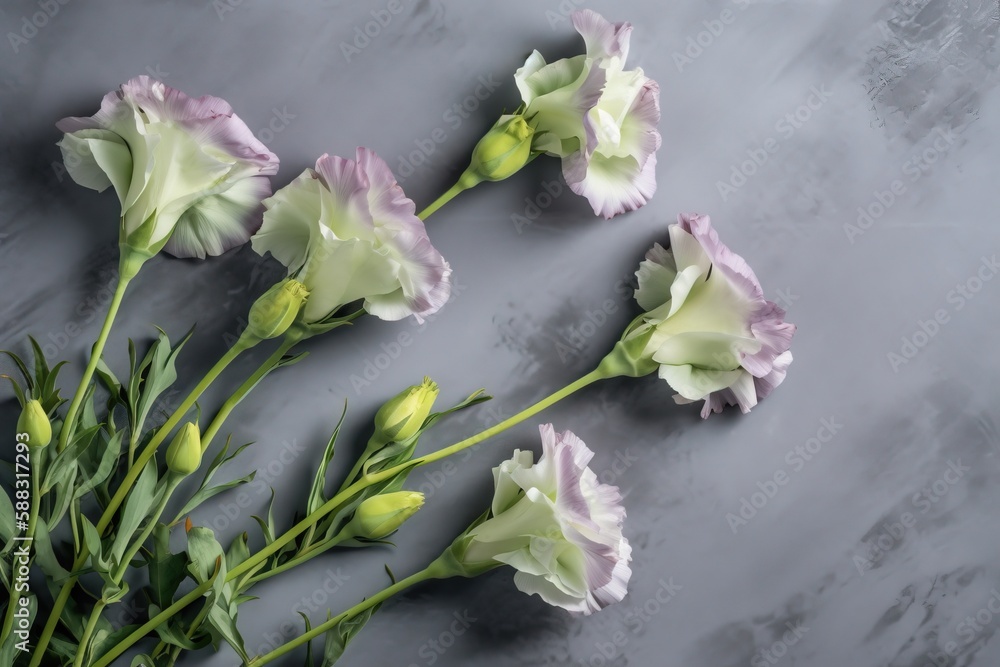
{"type": "Point", "coordinates": [69, 424]}
{"type": "Point", "coordinates": [465, 182]}
{"type": "Point", "coordinates": [388, 473]}
{"type": "Point", "coordinates": [308, 554]}
{"type": "Point", "coordinates": [361, 484]}
{"type": "Point", "coordinates": [131, 476]}
{"type": "Point", "coordinates": [220, 418]}
{"type": "Point", "coordinates": [151, 624]}
{"type": "Point", "coordinates": [172, 481]}
{"type": "Point", "coordinates": [81, 650]}
{"type": "Point", "coordinates": [432, 571]}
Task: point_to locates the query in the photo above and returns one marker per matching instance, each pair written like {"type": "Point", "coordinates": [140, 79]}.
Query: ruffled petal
{"type": "Point", "coordinates": [345, 201]}
{"type": "Point", "coordinates": [391, 209]}
{"type": "Point", "coordinates": [345, 271]}
{"type": "Point", "coordinates": [696, 383]}
{"type": "Point", "coordinates": [220, 222]}
{"type": "Point", "coordinates": [603, 39]}
{"type": "Point", "coordinates": [523, 75]}
{"type": "Point", "coordinates": [612, 185]}
{"type": "Point", "coordinates": [96, 159]}
{"type": "Point", "coordinates": [563, 93]}
{"type": "Point", "coordinates": [291, 221]}
{"type": "Point", "coordinates": [209, 120]}
{"type": "Point", "coordinates": [424, 279]}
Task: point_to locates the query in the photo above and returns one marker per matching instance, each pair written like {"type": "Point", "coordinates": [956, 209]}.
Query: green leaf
{"type": "Point", "coordinates": [206, 557]}
{"type": "Point", "coordinates": [109, 456]}
{"type": "Point", "coordinates": [21, 366]}
{"type": "Point", "coordinates": [165, 576]}
{"type": "Point", "coordinates": [316, 494]}
{"type": "Point", "coordinates": [93, 541]}
{"type": "Point", "coordinates": [154, 375]}
{"type": "Point", "coordinates": [204, 494]}
{"type": "Point", "coordinates": [475, 398]}
{"type": "Point", "coordinates": [172, 633]}
{"type": "Point", "coordinates": [44, 555]}
{"type": "Point", "coordinates": [340, 635]}
{"type": "Point", "coordinates": [309, 645]}
{"type": "Point", "coordinates": [65, 463]}
{"type": "Point", "coordinates": [18, 392]}
{"type": "Point", "coordinates": [137, 509]}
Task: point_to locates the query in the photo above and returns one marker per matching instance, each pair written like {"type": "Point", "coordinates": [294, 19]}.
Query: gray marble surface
{"type": "Point", "coordinates": [880, 549]}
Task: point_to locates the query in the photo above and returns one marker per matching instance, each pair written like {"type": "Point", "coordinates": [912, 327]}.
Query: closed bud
{"type": "Point", "coordinates": [504, 150]}
{"type": "Point", "coordinates": [184, 452]}
{"type": "Point", "coordinates": [276, 309]}
{"type": "Point", "coordinates": [403, 416]}
{"type": "Point", "coordinates": [382, 515]}
{"type": "Point", "coordinates": [35, 423]}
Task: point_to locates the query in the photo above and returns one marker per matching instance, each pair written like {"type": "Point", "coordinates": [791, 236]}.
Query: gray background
{"type": "Point", "coordinates": [897, 77]}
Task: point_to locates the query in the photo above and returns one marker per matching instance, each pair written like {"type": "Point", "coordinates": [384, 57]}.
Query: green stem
{"type": "Point", "coordinates": [69, 424]}
{"type": "Point", "coordinates": [171, 483]}
{"type": "Point", "coordinates": [368, 480]}
{"type": "Point", "coordinates": [152, 623]}
{"type": "Point", "coordinates": [308, 554]}
{"type": "Point", "coordinates": [287, 343]}
{"type": "Point", "coordinates": [465, 181]}
{"type": "Point", "coordinates": [244, 343]}
{"type": "Point", "coordinates": [81, 650]}
{"type": "Point", "coordinates": [220, 418]}
{"type": "Point", "coordinates": [15, 601]}
{"type": "Point", "coordinates": [433, 571]}
{"type": "Point", "coordinates": [388, 473]}
{"type": "Point", "coordinates": [175, 651]}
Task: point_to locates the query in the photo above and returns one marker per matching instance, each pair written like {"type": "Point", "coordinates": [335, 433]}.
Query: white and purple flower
{"type": "Point", "coordinates": [188, 172]}
{"type": "Point", "coordinates": [557, 525]}
{"type": "Point", "coordinates": [707, 324]}
{"type": "Point", "coordinates": [347, 232]}
{"type": "Point", "coordinates": [598, 117]}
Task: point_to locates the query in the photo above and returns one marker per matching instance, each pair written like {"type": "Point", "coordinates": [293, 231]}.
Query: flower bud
{"type": "Point", "coordinates": [184, 452]}
{"type": "Point", "coordinates": [35, 423]}
{"type": "Point", "coordinates": [401, 418]}
{"type": "Point", "coordinates": [504, 150]}
{"type": "Point", "coordinates": [382, 515]}
{"type": "Point", "coordinates": [276, 309]}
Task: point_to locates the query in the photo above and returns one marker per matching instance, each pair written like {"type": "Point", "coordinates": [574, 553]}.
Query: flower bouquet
{"type": "Point", "coordinates": [94, 504]}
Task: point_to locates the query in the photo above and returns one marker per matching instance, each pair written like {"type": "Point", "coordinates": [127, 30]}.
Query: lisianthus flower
{"type": "Point", "coordinates": [707, 324]}
{"type": "Point", "coordinates": [347, 232]}
{"type": "Point", "coordinates": [598, 117]}
{"type": "Point", "coordinates": [188, 172]}
{"type": "Point", "coordinates": [557, 525]}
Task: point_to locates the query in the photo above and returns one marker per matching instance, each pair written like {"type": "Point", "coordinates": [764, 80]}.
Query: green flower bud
{"type": "Point", "coordinates": [184, 452]}
{"type": "Point", "coordinates": [276, 309]}
{"type": "Point", "coordinates": [35, 423]}
{"type": "Point", "coordinates": [504, 150]}
{"type": "Point", "coordinates": [382, 515]}
{"type": "Point", "coordinates": [402, 417]}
